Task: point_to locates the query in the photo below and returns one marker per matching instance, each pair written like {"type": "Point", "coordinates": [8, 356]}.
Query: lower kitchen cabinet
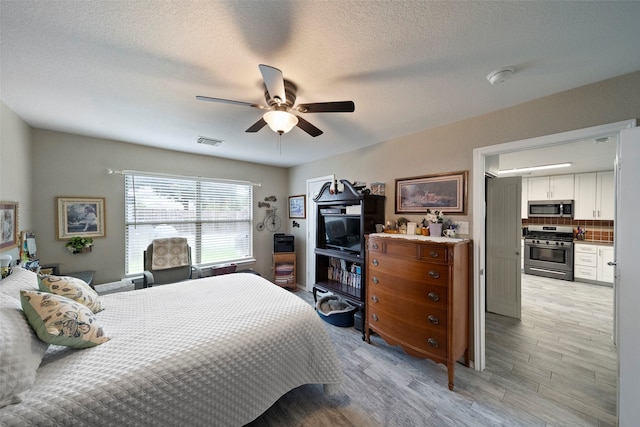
{"type": "Point", "coordinates": [417, 296]}
{"type": "Point", "coordinates": [590, 263]}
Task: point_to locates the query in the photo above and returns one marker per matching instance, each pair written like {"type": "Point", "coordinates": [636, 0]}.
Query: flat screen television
{"type": "Point", "coordinates": [342, 233]}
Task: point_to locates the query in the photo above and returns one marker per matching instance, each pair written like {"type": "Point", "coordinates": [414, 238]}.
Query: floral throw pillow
{"type": "Point", "coordinates": [61, 321]}
{"type": "Point", "coordinates": [71, 287]}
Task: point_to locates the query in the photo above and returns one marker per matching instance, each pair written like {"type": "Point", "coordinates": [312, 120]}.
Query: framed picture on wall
{"type": "Point", "coordinates": [9, 225]}
{"type": "Point", "coordinates": [444, 192]}
{"type": "Point", "coordinates": [80, 217]}
{"type": "Point", "coordinates": [297, 208]}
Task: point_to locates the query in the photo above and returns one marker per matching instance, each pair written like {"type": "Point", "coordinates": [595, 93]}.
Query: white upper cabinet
{"type": "Point", "coordinates": [556, 187]}
{"type": "Point", "coordinates": [594, 195]}
{"type": "Point", "coordinates": [605, 190]}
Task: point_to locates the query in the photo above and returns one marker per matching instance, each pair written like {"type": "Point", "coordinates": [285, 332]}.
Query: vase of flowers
{"type": "Point", "coordinates": [433, 219]}
{"type": "Point", "coordinates": [78, 245]}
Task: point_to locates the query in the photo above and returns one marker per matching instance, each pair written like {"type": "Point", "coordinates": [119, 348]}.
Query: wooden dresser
{"type": "Point", "coordinates": [418, 296]}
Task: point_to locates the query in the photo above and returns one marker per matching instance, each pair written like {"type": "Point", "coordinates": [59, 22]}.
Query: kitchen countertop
{"type": "Point", "coordinates": [593, 242]}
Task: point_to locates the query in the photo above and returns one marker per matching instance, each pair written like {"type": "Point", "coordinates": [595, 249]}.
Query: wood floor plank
{"type": "Point", "coordinates": [556, 366]}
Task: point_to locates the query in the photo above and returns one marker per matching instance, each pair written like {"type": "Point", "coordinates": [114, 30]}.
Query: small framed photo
{"type": "Point", "coordinates": [297, 207]}
{"type": "Point", "coordinates": [445, 192]}
{"type": "Point", "coordinates": [9, 223]}
{"type": "Point", "coordinates": [80, 217]}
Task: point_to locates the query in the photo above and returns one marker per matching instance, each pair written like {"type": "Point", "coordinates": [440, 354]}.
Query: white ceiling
{"type": "Point", "coordinates": [130, 71]}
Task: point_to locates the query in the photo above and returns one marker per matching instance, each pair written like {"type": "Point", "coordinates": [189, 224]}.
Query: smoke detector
{"type": "Point", "coordinates": [209, 141]}
{"type": "Point", "coordinates": [499, 76]}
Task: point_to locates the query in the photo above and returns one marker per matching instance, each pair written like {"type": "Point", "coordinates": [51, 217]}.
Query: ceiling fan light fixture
{"type": "Point", "coordinates": [280, 121]}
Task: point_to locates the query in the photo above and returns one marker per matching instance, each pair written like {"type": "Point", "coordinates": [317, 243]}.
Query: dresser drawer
{"type": "Point", "coordinates": [409, 250]}
{"type": "Point", "coordinates": [414, 313]}
{"type": "Point", "coordinates": [417, 271]}
{"type": "Point", "coordinates": [430, 340]}
{"type": "Point", "coordinates": [425, 293]}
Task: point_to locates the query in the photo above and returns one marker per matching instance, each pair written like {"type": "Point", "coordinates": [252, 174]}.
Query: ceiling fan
{"type": "Point", "coordinates": [280, 95]}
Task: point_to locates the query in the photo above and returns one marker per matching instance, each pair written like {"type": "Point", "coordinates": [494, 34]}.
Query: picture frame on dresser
{"type": "Point", "coordinates": [80, 217]}
{"type": "Point", "coordinates": [8, 225]}
{"type": "Point", "coordinates": [446, 192]}
{"type": "Point", "coordinates": [297, 207]}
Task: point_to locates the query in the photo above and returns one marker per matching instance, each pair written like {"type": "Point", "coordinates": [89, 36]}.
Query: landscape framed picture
{"type": "Point", "coordinates": [80, 217]}
{"type": "Point", "coordinates": [8, 225]}
{"type": "Point", "coordinates": [297, 208]}
{"type": "Point", "coordinates": [445, 192]}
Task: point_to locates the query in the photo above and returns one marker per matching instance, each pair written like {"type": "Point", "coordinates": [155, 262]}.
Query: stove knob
{"type": "Point", "coordinates": [557, 243]}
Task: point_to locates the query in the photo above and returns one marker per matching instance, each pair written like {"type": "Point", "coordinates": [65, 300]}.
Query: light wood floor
{"type": "Point", "coordinates": [555, 367]}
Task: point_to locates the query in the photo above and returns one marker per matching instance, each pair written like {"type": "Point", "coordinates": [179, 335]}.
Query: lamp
{"type": "Point", "coordinates": [280, 121]}
{"type": "Point", "coordinates": [5, 260]}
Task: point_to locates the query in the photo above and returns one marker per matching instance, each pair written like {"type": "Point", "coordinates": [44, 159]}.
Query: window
{"type": "Point", "coordinates": [214, 216]}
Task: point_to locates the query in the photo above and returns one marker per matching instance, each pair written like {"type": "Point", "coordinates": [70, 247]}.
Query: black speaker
{"type": "Point", "coordinates": [283, 242]}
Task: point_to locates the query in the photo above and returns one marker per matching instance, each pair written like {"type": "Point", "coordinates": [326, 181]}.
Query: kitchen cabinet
{"type": "Point", "coordinates": [555, 187]}
{"type": "Point", "coordinates": [605, 271]}
{"type": "Point", "coordinates": [594, 195]}
{"type": "Point", "coordinates": [524, 198]}
{"type": "Point", "coordinates": [590, 263]}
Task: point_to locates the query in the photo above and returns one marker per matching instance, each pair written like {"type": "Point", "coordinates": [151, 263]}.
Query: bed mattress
{"type": "Point", "coordinates": [212, 351]}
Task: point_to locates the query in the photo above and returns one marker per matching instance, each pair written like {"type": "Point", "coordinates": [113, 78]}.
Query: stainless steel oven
{"type": "Point", "coordinates": [548, 251]}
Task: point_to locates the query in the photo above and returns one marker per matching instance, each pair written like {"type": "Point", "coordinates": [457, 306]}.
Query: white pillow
{"type": "Point", "coordinates": [71, 287]}
{"type": "Point", "coordinates": [20, 349]}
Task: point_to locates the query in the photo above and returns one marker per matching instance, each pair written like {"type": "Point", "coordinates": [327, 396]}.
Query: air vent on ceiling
{"type": "Point", "coordinates": [209, 141]}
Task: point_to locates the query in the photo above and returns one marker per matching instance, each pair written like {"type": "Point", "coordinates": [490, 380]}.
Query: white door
{"type": "Point", "coordinates": [504, 237]}
{"type": "Point", "coordinates": [626, 284]}
{"type": "Point", "coordinates": [313, 187]}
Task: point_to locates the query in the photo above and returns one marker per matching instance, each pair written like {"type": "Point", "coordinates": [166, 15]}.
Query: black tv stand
{"type": "Point", "coordinates": [339, 270]}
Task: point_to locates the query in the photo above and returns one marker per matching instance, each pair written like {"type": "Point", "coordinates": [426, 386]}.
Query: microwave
{"type": "Point", "coordinates": [555, 208]}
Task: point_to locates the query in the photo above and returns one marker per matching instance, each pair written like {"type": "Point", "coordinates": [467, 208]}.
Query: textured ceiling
{"type": "Point", "coordinates": [130, 70]}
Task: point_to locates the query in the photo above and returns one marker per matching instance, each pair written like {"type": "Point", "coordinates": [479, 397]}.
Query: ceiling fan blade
{"type": "Point", "coordinates": [274, 81]}
{"type": "Point", "coordinates": [229, 101]}
{"type": "Point", "coordinates": [308, 127]}
{"type": "Point", "coordinates": [257, 126]}
{"type": "Point", "coordinates": [327, 107]}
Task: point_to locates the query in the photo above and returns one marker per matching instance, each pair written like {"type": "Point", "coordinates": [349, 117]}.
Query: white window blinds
{"type": "Point", "coordinates": [214, 216]}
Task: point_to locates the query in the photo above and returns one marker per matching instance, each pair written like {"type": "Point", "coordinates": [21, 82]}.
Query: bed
{"type": "Point", "coordinates": [212, 351]}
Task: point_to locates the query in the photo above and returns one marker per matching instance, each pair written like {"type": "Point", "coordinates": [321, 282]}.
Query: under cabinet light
{"type": "Point", "coordinates": [533, 168]}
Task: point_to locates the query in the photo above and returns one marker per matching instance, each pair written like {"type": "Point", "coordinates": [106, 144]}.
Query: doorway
{"type": "Point", "coordinates": [479, 232]}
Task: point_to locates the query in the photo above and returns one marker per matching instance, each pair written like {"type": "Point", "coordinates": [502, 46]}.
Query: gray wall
{"type": "Point", "coordinates": [16, 184]}
{"type": "Point", "coordinates": [450, 148]}
{"type": "Point", "coordinates": [68, 165]}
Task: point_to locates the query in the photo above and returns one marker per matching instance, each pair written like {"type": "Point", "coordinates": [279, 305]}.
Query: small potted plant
{"type": "Point", "coordinates": [77, 245]}
{"type": "Point", "coordinates": [433, 219]}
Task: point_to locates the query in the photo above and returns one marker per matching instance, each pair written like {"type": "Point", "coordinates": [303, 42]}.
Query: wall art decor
{"type": "Point", "coordinates": [9, 225]}
{"type": "Point", "coordinates": [445, 192]}
{"type": "Point", "coordinates": [80, 217]}
{"type": "Point", "coordinates": [297, 207]}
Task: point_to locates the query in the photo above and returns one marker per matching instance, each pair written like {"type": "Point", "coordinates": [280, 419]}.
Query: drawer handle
{"type": "Point", "coordinates": [434, 254]}
{"type": "Point", "coordinates": [433, 296]}
{"type": "Point", "coordinates": [434, 274]}
{"type": "Point", "coordinates": [375, 246]}
{"type": "Point", "coordinates": [374, 262]}
{"type": "Point", "coordinates": [433, 319]}
{"type": "Point", "coordinates": [374, 317]}
{"type": "Point", "coordinates": [433, 342]}
{"type": "Point", "coordinates": [375, 280]}
{"type": "Point", "coordinates": [374, 298]}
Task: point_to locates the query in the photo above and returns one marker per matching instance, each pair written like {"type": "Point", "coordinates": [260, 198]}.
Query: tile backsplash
{"type": "Point", "coordinates": [597, 231]}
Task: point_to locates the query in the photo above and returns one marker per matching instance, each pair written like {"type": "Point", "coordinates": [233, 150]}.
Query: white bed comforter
{"type": "Point", "coordinates": [213, 351]}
